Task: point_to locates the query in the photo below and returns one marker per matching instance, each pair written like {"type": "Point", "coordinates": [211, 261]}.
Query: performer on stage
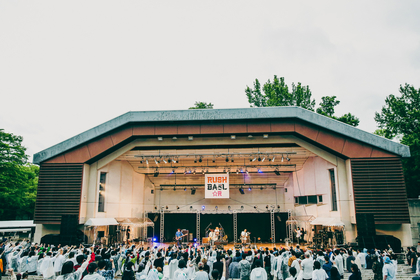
{"type": "Point", "coordinates": [298, 235]}
{"type": "Point", "coordinates": [244, 237]}
{"type": "Point", "coordinates": [217, 233]}
{"type": "Point", "coordinates": [178, 236]}
{"type": "Point", "coordinates": [213, 237]}
{"type": "Point", "coordinates": [127, 233]}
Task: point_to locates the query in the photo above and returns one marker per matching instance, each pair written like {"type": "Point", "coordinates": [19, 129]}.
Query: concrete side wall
{"type": "Point", "coordinates": [414, 209]}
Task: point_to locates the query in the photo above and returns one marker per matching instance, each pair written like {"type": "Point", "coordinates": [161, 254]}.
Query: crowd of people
{"type": "Point", "coordinates": [130, 262]}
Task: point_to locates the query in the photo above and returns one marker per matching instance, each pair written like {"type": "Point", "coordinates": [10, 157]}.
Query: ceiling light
{"type": "Point", "coordinates": [174, 190]}
{"type": "Point", "coordinates": [241, 190]}
{"type": "Point", "coordinates": [237, 171]}
{"type": "Point", "coordinates": [272, 160]}
{"type": "Point", "coordinates": [250, 136]}
{"type": "Point", "coordinates": [259, 158]}
{"type": "Point", "coordinates": [190, 138]}
{"type": "Point", "coordinates": [263, 159]}
{"type": "Point", "coordinates": [185, 188]}
{"type": "Point", "coordinates": [200, 159]}
{"type": "Point", "coordinates": [265, 136]}
{"type": "Point", "coordinates": [282, 158]}
{"type": "Point", "coordinates": [147, 162]}
{"type": "Point", "coordinates": [160, 138]}
{"type": "Point", "coordinates": [174, 138]}
{"type": "Point", "coordinates": [227, 159]}
{"type": "Point", "coordinates": [164, 161]}
{"type": "Point", "coordinates": [254, 159]}
{"type": "Point", "coordinates": [233, 137]}
{"type": "Point", "coordinates": [157, 162]}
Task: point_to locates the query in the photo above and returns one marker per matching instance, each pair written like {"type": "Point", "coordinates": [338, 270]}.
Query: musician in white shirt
{"type": "Point", "coordinates": [244, 236]}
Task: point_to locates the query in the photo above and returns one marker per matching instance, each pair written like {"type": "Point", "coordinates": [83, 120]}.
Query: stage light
{"type": "Point", "coordinates": [287, 158]}
{"type": "Point", "coordinates": [155, 207]}
{"type": "Point", "coordinates": [254, 159]}
{"type": "Point", "coordinates": [190, 138]}
{"type": "Point", "coordinates": [241, 170]}
{"type": "Point", "coordinates": [278, 207]}
{"type": "Point", "coordinates": [242, 207]}
{"type": "Point", "coordinates": [167, 207]}
{"type": "Point", "coordinates": [277, 172]}
{"type": "Point", "coordinates": [185, 189]}
{"type": "Point", "coordinates": [215, 207]}
{"type": "Point", "coordinates": [250, 159]}
{"type": "Point", "coordinates": [160, 138]}
{"type": "Point", "coordinates": [261, 188]}
{"type": "Point", "coordinates": [237, 171]}
{"type": "Point", "coordinates": [192, 193]}
{"type": "Point", "coordinates": [272, 160]}
{"type": "Point", "coordinates": [259, 158]}
{"type": "Point", "coordinates": [157, 162]}
{"type": "Point", "coordinates": [224, 170]}
{"type": "Point", "coordinates": [249, 188]}
{"type": "Point", "coordinates": [259, 170]}
{"type": "Point", "coordinates": [250, 136]}
{"type": "Point", "coordinates": [203, 207]}
{"type": "Point", "coordinates": [164, 161]}
{"type": "Point", "coordinates": [147, 162]}
{"type": "Point", "coordinates": [227, 159]}
{"type": "Point", "coordinates": [282, 158]}
{"type": "Point", "coordinates": [185, 172]}
{"type": "Point", "coordinates": [141, 161]}
{"type": "Point", "coordinates": [263, 159]}
{"type": "Point", "coordinates": [266, 207]}
{"type": "Point", "coordinates": [241, 190]}
{"type": "Point", "coordinates": [174, 138]}
{"type": "Point", "coordinates": [229, 207]}
{"type": "Point", "coordinates": [200, 159]}
{"type": "Point", "coordinates": [233, 137]}
{"type": "Point", "coordinates": [265, 136]}
{"type": "Point", "coordinates": [173, 170]}
{"type": "Point", "coordinates": [156, 173]}
{"type": "Point", "coordinates": [232, 160]}
{"type": "Point", "coordinates": [173, 160]}
{"type": "Point", "coordinates": [214, 160]}
{"type": "Point", "coordinates": [194, 171]}
{"type": "Point", "coordinates": [195, 239]}
{"type": "Point", "coordinates": [255, 207]}
{"type": "Point", "coordinates": [154, 239]}
{"type": "Point", "coordinates": [203, 171]}
{"type": "Point", "coordinates": [207, 171]}
{"type": "Point", "coordinates": [228, 171]}
{"type": "Point", "coordinates": [161, 189]}
{"type": "Point", "coordinates": [191, 208]}
{"type": "Point", "coordinates": [174, 189]}
{"type": "Point", "coordinates": [177, 207]}
{"type": "Point", "coordinates": [195, 160]}
{"type": "Point", "coordinates": [246, 170]}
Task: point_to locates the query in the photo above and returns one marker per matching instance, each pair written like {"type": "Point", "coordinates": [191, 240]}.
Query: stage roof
{"type": "Point", "coordinates": [191, 116]}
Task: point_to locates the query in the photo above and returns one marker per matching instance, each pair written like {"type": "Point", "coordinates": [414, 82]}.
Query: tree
{"type": "Point", "coordinates": [18, 179]}
{"type": "Point", "coordinates": [400, 118]}
{"type": "Point", "coordinates": [277, 93]}
{"type": "Point", "coordinates": [327, 106]}
{"type": "Point", "coordinates": [201, 105]}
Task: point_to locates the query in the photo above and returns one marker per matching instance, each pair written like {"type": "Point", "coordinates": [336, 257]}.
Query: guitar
{"type": "Point", "coordinates": [178, 238]}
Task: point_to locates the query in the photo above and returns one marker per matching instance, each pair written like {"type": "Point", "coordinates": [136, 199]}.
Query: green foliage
{"type": "Point", "coordinates": [327, 109]}
{"type": "Point", "coordinates": [201, 105]}
{"type": "Point", "coordinates": [400, 117]}
{"type": "Point", "coordinates": [18, 179]}
{"type": "Point", "coordinates": [277, 93]}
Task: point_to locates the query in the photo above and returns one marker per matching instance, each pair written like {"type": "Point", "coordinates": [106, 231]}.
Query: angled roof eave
{"type": "Point", "coordinates": [224, 114]}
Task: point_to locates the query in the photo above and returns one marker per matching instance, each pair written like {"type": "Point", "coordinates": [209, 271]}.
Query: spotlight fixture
{"type": "Point", "coordinates": [259, 158]}
{"type": "Point", "coordinates": [228, 171]}
{"type": "Point", "coordinates": [173, 170]}
{"type": "Point", "coordinates": [272, 160]}
{"type": "Point", "coordinates": [164, 161]}
{"type": "Point", "coordinates": [250, 159]}
{"type": "Point", "coordinates": [174, 138]}
{"type": "Point", "coordinates": [167, 207]}
{"type": "Point", "coordinates": [277, 172]}
{"type": "Point", "coordinates": [255, 207]}
{"type": "Point", "coordinates": [147, 162]}
{"type": "Point", "coordinates": [185, 189]}
{"type": "Point", "coordinates": [282, 158]}
{"type": "Point", "coordinates": [155, 207]}
{"type": "Point", "coordinates": [185, 172]}
{"type": "Point", "coordinates": [232, 160]}
{"type": "Point", "coordinates": [254, 159]}
{"type": "Point", "coordinates": [250, 136]}
{"type": "Point", "coordinates": [227, 159]}
{"type": "Point", "coordinates": [287, 158]}
{"type": "Point", "coordinates": [203, 207]}
{"type": "Point", "coordinates": [214, 160]}
{"type": "Point", "coordinates": [174, 188]}
{"type": "Point", "coordinates": [249, 188]}
{"type": "Point", "coordinates": [224, 170]}
{"type": "Point", "coordinates": [229, 208]}
{"type": "Point", "coordinates": [200, 159]}
{"type": "Point", "coordinates": [173, 160]}
{"type": "Point", "coordinates": [263, 159]}
{"type": "Point", "coordinates": [191, 208]}
{"type": "Point", "coordinates": [237, 171]}
{"type": "Point", "coordinates": [157, 162]}
{"type": "Point", "coordinates": [233, 137]}
{"type": "Point", "coordinates": [246, 170]}
{"type": "Point", "coordinates": [241, 190]}
{"type": "Point", "coordinates": [266, 207]}
{"type": "Point", "coordinates": [192, 193]}
{"type": "Point", "coordinates": [278, 207]}
{"type": "Point", "coordinates": [141, 161]}
{"type": "Point", "coordinates": [215, 207]}
{"type": "Point", "coordinates": [203, 171]}
{"type": "Point", "coordinates": [156, 173]}
{"type": "Point", "coordinates": [194, 171]}
{"type": "Point", "coordinates": [265, 136]}
{"type": "Point", "coordinates": [190, 138]}
{"type": "Point", "coordinates": [160, 138]}
{"type": "Point", "coordinates": [242, 207]}
{"type": "Point", "coordinates": [259, 170]}
{"type": "Point", "coordinates": [195, 160]}
{"type": "Point", "coordinates": [177, 207]}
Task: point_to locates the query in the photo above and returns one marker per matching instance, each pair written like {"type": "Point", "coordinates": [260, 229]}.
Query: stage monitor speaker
{"type": "Point", "coordinates": [69, 224]}
{"type": "Point", "coordinates": [365, 224]}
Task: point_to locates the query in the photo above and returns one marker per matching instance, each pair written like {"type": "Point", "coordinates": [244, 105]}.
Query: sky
{"type": "Point", "coordinates": [67, 66]}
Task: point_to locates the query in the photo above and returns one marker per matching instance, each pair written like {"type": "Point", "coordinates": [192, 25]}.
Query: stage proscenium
{"type": "Point", "coordinates": [217, 186]}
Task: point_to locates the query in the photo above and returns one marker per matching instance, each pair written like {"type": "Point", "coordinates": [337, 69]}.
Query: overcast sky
{"type": "Point", "coordinates": [67, 66]}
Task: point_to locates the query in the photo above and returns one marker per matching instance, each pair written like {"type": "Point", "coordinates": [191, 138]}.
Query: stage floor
{"type": "Point", "coordinates": [229, 245]}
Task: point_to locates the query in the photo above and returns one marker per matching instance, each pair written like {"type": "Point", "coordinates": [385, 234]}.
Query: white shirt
{"type": "Point", "coordinates": [319, 274]}
{"type": "Point", "coordinates": [307, 268]}
{"type": "Point", "coordinates": [258, 273]}
{"type": "Point", "coordinates": [389, 271]}
{"type": "Point", "coordinates": [58, 263]}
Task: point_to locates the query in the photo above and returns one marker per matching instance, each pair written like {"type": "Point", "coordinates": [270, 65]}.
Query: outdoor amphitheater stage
{"type": "Point", "coordinates": [228, 246]}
